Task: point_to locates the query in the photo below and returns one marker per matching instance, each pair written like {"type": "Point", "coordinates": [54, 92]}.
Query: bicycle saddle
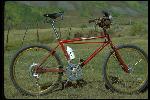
{"type": "Point", "coordinates": [54, 15]}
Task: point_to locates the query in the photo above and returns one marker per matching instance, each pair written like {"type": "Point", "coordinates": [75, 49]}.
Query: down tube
{"type": "Point", "coordinates": [94, 54]}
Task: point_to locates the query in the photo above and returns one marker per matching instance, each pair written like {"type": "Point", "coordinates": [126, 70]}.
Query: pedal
{"type": "Point", "coordinates": [106, 86]}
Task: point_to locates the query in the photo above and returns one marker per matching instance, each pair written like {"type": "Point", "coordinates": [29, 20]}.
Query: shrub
{"type": "Point", "coordinates": [92, 33]}
{"type": "Point", "coordinates": [78, 34]}
{"type": "Point", "coordinates": [83, 26]}
{"type": "Point", "coordinates": [138, 28]}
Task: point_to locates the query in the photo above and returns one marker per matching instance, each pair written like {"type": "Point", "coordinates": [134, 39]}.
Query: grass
{"type": "Point", "coordinates": [95, 88]}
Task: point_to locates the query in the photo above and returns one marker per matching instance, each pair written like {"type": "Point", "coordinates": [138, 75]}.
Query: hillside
{"type": "Point", "coordinates": [18, 12]}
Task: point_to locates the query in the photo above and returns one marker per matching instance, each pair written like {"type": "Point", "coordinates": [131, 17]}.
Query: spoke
{"type": "Point", "coordinates": [32, 82]}
{"type": "Point", "coordinates": [138, 62]}
{"type": "Point", "coordinates": [38, 86]}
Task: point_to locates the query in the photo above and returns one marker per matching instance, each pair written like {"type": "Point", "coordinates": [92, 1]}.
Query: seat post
{"type": "Point", "coordinates": [55, 31]}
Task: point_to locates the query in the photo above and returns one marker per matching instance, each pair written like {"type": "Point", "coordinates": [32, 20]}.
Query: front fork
{"type": "Point", "coordinates": [120, 59]}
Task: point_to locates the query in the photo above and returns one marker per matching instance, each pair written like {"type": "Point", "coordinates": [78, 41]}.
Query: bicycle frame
{"type": "Point", "coordinates": [80, 41]}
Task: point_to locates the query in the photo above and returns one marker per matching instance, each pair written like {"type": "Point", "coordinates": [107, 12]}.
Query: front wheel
{"type": "Point", "coordinates": [117, 79]}
{"type": "Point", "coordinates": [23, 75]}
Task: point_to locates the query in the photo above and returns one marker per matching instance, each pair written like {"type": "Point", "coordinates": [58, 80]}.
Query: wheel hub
{"type": "Point", "coordinates": [32, 71]}
{"type": "Point", "coordinates": [130, 69]}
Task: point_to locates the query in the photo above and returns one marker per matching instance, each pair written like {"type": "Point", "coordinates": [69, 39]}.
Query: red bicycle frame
{"type": "Point", "coordinates": [80, 41]}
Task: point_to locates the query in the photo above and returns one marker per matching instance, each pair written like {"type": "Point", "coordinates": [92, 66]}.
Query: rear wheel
{"type": "Point", "coordinates": [117, 79]}
{"type": "Point", "coordinates": [23, 76]}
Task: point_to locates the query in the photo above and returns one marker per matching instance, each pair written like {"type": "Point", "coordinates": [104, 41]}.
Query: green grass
{"type": "Point", "coordinates": [92, 71]}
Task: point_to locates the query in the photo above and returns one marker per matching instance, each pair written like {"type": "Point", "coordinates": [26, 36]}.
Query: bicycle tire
{"type": "Point", "coordinates": [109, 84]}
{"type": "Point", "coordinates": [12, 70]}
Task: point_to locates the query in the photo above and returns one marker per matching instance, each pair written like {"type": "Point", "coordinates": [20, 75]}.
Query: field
{"type": "Point", "coordinates": [94, 89]}
{"type": "Point", "coordinates": [129, 26]}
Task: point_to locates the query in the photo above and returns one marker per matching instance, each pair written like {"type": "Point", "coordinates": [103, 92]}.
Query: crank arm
{"type": "Point", "coordinates": [44, 70]}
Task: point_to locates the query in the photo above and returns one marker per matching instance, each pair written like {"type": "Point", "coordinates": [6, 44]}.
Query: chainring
{"type": "Point", "coordinates": [73, 72]}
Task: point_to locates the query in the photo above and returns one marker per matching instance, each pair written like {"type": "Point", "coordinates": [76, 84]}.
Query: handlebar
{"type": "Point", "coordinates": [103, 22]}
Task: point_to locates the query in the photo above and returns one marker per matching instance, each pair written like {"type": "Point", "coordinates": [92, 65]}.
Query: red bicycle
{"type": "Point", "coordinates": [125, 68]}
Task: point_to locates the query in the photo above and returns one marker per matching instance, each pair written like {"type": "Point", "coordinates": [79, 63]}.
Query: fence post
{"type": "Point", "coordinates": [8, 20]}
{"type": "Point", "coordinates": [7, 38]}
{"type": "Point", "coordinates": [59, 31]}
{"type": "Point", "coordinates": [130, 22]}
{"type": "Point", "coordinates": [95, 27]}
{"type": "Point", "coordinates": [37, 33]}
{"type": "Point", "coordinates": [24, 35]}
{"type": "Point", "coordinates": [69, 31]}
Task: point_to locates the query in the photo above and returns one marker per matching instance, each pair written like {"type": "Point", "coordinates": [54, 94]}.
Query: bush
{"type": "Point", "coordinates": [138, 28]}
{"type": "Point", "coordinates": [78, 34]}
{"type": "Point", "coordinates": [92, 34]}
{"type": "Point", "coordinates": [83, 26]}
